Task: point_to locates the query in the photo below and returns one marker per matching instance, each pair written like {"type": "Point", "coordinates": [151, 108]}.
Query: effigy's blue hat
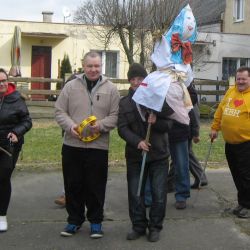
{"type": "Point", "coordinates": [185, 29]}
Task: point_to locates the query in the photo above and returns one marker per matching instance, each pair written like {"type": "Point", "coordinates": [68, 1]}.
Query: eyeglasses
{"type": "Point", "coordinates": [3, 81]}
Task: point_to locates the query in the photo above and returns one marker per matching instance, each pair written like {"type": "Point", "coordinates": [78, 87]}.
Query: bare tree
{"type": "Point", "coordinates": [133, 21]}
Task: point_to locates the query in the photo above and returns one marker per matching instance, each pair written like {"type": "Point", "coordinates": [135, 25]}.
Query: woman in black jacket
{"type": "Point", "coordinates": [14, 123]}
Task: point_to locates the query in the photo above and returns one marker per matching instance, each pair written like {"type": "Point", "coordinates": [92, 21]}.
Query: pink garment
{"type": "Point", "coordinates": [174, 99]}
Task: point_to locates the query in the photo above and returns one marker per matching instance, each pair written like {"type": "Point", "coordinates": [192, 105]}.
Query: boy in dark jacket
{"type": "Point", "coordinates": [132, 126]}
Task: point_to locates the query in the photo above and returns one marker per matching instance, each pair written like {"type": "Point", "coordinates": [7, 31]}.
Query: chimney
{"type": "Point", "coordinates": [47, 16]}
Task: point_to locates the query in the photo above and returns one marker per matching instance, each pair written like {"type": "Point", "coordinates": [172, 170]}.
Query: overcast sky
{"type": "Point", "coordinates": [31, 10]}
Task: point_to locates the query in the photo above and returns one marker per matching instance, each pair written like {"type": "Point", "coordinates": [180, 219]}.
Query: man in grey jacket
{"type": "Point", "coordinates": [85, 163]}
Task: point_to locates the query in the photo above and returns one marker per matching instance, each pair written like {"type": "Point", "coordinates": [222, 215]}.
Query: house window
{"type": "Point", "coordinates": [230, 65]}
{"type": "Point", "coordinates": [109, 63]}
{"type": "Point", "coordinates": [239, 10]}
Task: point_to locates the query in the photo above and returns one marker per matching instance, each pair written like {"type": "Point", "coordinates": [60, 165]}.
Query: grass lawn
{"type": "Point", "coordinates": [42, 147]}
{"type": "Point", "coordinates": [201, 149]}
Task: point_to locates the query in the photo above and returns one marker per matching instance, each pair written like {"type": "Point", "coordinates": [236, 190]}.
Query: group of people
{"type": "Point", "coordinates": [80, 99]}
{"type": "Point", "coordinates": [85, 162]}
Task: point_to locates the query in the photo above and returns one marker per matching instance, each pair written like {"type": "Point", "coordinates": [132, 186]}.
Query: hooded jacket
{"type": "Point", "coordinates": [232, 116]}
{"type": "Point", "coordinates": [75, 104]}
{"type": "Point", "coordinates": [14, 116]}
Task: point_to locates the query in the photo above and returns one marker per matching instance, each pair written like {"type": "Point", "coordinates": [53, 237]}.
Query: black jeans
{"type": "Point", "coordinates": [7, 165]}
{"type": "Point", "coordinates": [239, 163]}
{"type": "Point", "coordinates": [157, 172]}
{"type": "Point", "coordinates": [85, 178]}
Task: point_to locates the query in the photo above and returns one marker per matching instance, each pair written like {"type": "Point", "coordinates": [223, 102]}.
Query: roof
{"type": "Point", "coordinates": [44, 35]}
{"type": "Point", "coordinates": [209, 11]}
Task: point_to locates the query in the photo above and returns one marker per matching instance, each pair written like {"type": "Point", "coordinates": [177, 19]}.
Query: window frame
{"type": "Point", "coordinates": [103, 54]}
{"type": "Point", "coordinates": [238, 64]}
{"type": "Point", "coordinates": [239, 7]}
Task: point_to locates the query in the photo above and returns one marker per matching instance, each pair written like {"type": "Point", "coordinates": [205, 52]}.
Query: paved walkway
{"type": "Point", "coordinates": [35, 221]}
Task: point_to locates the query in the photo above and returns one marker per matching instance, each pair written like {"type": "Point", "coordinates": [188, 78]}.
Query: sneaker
{"type": "Point", "coordinates": [153, 236]}
{"type": "Point", "coordinates": [180, 204]}
{"type": "Point", "coordinates": [3, 224]}
{"type": "Point", "coordinates": [61, 201]}
{"type": "Point", "coordinates": [133, 235]}
{"type": "Point", "coordinates": [70, 230]}
{"type": "Point", "coordinates": [96, 231]}
{"type": "Point", "coordinates": [244, 213]}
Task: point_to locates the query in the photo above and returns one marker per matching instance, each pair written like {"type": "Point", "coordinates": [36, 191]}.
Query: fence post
{"type": "Point", "coordinates": [217, 88]}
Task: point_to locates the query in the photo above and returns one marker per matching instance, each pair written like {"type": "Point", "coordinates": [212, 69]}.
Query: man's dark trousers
{"type": "Point", "coordinates": [85, 178]}
{"type": "Point", "coordinates": [239, 163]}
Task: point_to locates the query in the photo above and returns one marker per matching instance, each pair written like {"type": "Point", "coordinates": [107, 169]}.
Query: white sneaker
{"type": "Point", "coordinates": [3, 224]}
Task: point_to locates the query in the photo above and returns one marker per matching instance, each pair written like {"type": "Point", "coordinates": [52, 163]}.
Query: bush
{"type": "Point", "coordinates": [64, 69]}
{"type": "Point", "coordinates": [65, 66]}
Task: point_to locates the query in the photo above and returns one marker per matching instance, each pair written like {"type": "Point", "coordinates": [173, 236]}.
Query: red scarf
{"type": "Point", "coordinates": [186, 50]}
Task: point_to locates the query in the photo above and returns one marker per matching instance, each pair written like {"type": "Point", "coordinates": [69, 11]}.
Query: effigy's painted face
{"type": "Point", "coordinates": [189, 25]}
{"type": "Point", "coordinates": [185, 26]}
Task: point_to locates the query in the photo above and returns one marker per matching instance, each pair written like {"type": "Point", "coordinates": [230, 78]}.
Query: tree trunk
{"type": "Point", "coordinates": [128, 50]}
{"type": "Point", "coordinates": [142, 53]}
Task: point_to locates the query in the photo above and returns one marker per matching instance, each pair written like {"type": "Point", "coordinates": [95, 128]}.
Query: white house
{"type": "Point", "coordinates": [223, 41]}
{"type": "Point", "coordinates": [43, 45]}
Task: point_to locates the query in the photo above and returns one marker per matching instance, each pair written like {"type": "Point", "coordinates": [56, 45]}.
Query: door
{"type": "Point", "coordinates": [40, 67]}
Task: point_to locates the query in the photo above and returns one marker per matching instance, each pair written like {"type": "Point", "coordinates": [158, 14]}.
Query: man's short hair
{"type": "Point", "coordinates": [91, 54]}
{"type": "Point", "coordinates": [4, 71]}
{"type": "Point", "coordinates": [242, 69]}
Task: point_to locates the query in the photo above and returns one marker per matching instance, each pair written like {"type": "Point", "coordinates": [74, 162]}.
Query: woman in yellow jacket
{"type": "Point", "coordinates": [233, 119]}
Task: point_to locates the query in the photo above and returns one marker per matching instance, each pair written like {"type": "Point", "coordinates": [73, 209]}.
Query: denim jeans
{"type": "Point", "coordinates": [179, 155]}
{"type": "Point", "coordinates": [147, 193]}
{"type": "Point", "coordinates": [157, 172]}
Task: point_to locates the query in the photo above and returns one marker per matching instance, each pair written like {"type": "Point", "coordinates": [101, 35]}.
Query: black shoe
{"type": "Point", "coordinates": [153, 236]}
{"type": "Point", "coordinates": [237, 210]}
{"type": "Point", "coordinates": [133, 235]}
{"type": "Point", "coordinates": [170, 189]}
{"type": "Point", "coordinates": [244, 213]}
{"type": "Point", "coordinates": [234, 211]}
{"type": "Point", "coordinates": [180, 204]}
{"type": "Point", "coordinates": [196, 184]}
